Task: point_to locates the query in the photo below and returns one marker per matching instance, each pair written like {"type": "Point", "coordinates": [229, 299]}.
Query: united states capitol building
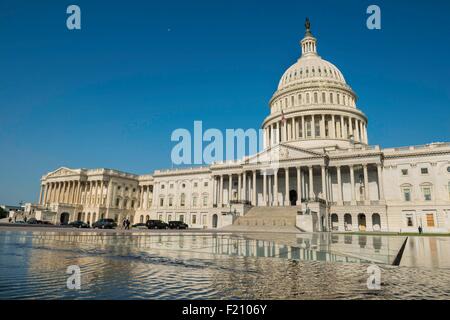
{"type": "Point", "coordinates": [326, 175]}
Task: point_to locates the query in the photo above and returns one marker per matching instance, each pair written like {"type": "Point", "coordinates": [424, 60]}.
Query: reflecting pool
{"type": "Point", "coordinates": [201, 265]}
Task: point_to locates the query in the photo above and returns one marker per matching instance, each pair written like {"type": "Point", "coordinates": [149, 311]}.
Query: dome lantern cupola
{"type": "Point", "coordinates": [308, 43]}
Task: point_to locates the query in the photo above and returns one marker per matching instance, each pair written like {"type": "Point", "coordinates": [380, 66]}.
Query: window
{"type": "Point", "coordinates": [315, 98]}
{"type": "Point", "coordinates": [407, 194]}
{"type": "Point", "coordinates": [117, 202]}
{"type": "Point", "coordinates": [404, 172]}
{"type": "Point", "coordinates": [426, 190]}
{"type": "Point", "coordinates": [448, 169]}
{"type": "Point", "coordinates": [181, 218]}
{"type": "Point", "coordinates": [194, 219]}
{"type": "Point", "coordinates": [171, 186]}
{"type": "Point", "coordinates": [170, 201]}
{"type": "Point", "coordinates": [160, 217]}
{"type": "Point", "coordinates": [195, 184]}
{"type": "Point", "coordinates": [162, 186]}
{"type": "Point", "coordinates": [323, 97]}
{"type": "Point", "coordinates": [205, 201]}
{"type": "Point", "coordinates": [194, 201]}
{"type": "Point", "coordinates": [161, 202]}
{"type": "Point", "coordinates": [205, 184]}
{"type": "Point", "coordinates": [183, 185]}
{"type": "Point", "coordinates": [424, 170]}
{"type": "Point", "coordinates": [409, 221]}
{"type": "Point", "coordinates": [182, 199]}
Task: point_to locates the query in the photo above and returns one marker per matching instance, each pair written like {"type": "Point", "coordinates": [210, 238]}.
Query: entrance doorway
{"type": "Point", "coordinates": [293, 197]}
{"type": "Point", "coordinates": [64, 218]}
{"type": "Point", "coordinates": [362, 222]}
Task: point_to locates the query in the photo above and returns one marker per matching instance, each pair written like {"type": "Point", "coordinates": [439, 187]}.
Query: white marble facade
{"type": "Point", "coordinates": [323, 158]}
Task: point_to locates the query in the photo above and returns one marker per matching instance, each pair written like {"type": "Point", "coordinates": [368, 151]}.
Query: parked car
{"type": "Point", "coordinates": [45, 222]}
{"type": "Point", "coordinates": [177, 225]}
{"type": "Point", "coordinates": [78, 224]}
{"type": "Point", "coordinates": [157, 224]}
{"type": "Point", "coordinates": [33, 221]}
{"type": "Point", "coordinates": [139, 226]}
{"type": "Point", "coordinates": [104, 224]}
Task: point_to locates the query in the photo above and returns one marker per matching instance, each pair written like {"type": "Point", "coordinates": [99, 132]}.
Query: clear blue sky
{"type": "Point", "coordinates": [111, 94]}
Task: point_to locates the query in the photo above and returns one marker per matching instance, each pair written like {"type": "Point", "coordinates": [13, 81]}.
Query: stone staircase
{"type": "Point", "coordinates": [275, 219]}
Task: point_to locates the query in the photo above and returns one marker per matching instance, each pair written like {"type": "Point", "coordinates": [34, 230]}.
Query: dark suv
{"type": "Point", "coordinates": [177, 225]}
{"type": "Point", "coordinates": [104, 224]}
{"type": "Point", "coordinates": [157, 224]}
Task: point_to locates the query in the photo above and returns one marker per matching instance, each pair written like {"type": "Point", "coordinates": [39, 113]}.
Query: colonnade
{"type": "Point", "coordinates": [261, 187]}
{"type": "Point", "coordinates": [315, 126]}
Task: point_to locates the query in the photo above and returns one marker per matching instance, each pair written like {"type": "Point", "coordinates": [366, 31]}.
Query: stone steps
{"type": "Point", "coordinates": [267, 219]}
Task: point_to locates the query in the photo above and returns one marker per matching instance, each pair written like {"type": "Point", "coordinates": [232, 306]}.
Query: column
{"type": "Point", "coordinates": [303, 127]}
{"type": "Point", "coordinates": [265, 188]}
{"type": "Point", "coordinates": [286, 179]}
{"type": "Point", "coordinates": [239, 187]}
{"type": "Point", "coordinates": [221, 191]}
{"type": "Point", "coordinates": [269, 190]}
{"type": "Point", "coordinates": [299, 186]}
{"type": "Point", "coordinates": [230, 187]}
{"type": "Point", "coordinates": [324, 187]}
{"type": "Point", "coordinates": [311, 183]}
{"type": "Point", "coordinates": [339, 181]}
{"type": "Point", "coordinates": [322, 127]}
{"type": "Point", "coordinates": [275, 188]}
{"type": "Point", "coordinates": [350, 122]}
{"type": "Point", "coordinates": [244, 190]}
{"type": "Point", "coordinates": [341, 121]}
{"type": "Point", "coordinates": [313, 127]}
{"type": "Point", "coordinates": [333, 127]}
{"type": "Point", "coordinates": [109, 195]}
{"type": "Point", "coordinates": [254, 201]}
{"type": "Point", "coordinates": [366, 184]}
{"type": "Point", "coordinates": [380, 181]}
{"type": "Point", "coordinates": [40, 194]}
{"type": "Point", "coordinates": [359, 131]}
{"type": "Point", "coordinates": [352, 183]}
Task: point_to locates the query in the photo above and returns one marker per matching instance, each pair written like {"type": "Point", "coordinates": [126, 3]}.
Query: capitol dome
{"type": "Point", "coordinates": [313, 106]}
{"type": "Point", "coordinates": [310, 68]}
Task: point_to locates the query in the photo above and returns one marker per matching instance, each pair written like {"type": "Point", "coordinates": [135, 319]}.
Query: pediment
{"type": "Point", "coordinates": [63, 171]}
{"type": "Point", "coordinates": [282, 152]}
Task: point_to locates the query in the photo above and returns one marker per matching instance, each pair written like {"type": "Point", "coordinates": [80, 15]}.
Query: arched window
{"type": "Point", "coordinates": [161, 201]}
{"type": "Point", "coordinates": [141, 219]}
{"type": "Point", "coordinates": [348, 222]}
{"type": "Point", "coordinates": [376, 222]}
{"type": "Point", "coordinates": [315, 98]}
{"type": "Point", "coordinates": [334, 222]}
{"type": "Point", "coordinates": [307, 98]}
{"type": "Point", "coordinates": [147, 217]}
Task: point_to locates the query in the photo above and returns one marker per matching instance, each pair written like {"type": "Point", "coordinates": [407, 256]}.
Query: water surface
{"type": "Point", "coordinates": [210, 266]}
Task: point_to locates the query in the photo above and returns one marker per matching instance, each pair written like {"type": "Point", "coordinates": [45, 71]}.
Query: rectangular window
{"type": "Point", "coordinates": [430, 220]}
{"type": "Point", "coordinates": [308, 129]}
{"type": "Point", "coordinates": [161, 202]}
{"type": "Point", "coordinates": [404, 172]}
{"type": "Point", "coordinates": [409, 221]}
{"type": "Point", "coordinates": [205, 201]}
{"type": "Point", "coordinates": [424, 170]}
{"type": "Point", "coordinates": [170, 202]}
{"type": "Point", "coordinates": [194, 219]}
{"type": "Point", "coordinates": [206, 184]}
